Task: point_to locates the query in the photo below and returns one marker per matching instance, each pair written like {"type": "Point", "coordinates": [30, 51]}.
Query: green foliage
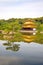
{"type": "Point", "coordinates": [39, 38]}
{"type": "Point", "coordinates": [15, 24]}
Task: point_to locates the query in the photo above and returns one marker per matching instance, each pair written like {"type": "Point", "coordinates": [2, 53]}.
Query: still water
{"type": "Point", "coordinates": [21, 52]}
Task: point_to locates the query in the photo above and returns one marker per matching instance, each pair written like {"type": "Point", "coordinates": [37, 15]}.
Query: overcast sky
{"type": "Point", "coordinates": [21, 8]}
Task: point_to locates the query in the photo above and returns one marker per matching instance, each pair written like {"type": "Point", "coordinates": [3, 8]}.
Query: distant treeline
{"type": "Point", "coordinates": [21, 20]}
{"type": "Point", "coordinates": [39, 20]}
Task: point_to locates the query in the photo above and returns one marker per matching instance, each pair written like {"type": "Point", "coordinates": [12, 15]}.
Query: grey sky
{"type": "Point", "coordinates": [20, 8]}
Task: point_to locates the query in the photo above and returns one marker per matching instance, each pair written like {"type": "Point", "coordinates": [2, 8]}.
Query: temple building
{"type": "Point", "coordinates": [28, 26]}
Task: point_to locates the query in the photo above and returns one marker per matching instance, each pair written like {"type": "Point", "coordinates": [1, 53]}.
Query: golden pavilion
{"type": "Point", "coordinates": [29, 27]}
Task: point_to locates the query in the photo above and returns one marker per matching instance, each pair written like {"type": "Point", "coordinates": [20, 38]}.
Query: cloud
{"type": "Point", "coordinates": [17, 2]}
{"type": "Point", "coordinates": [21, 10]}
{"type": "Point", "coordinates": [11, 0]}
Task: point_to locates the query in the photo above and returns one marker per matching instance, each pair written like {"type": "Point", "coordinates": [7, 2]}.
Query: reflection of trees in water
{"type": "Point", "coordinates": [39, 38]}
{"type": "Point", "coordinates": [6, 37]}
{"type": "Point", "coordinates": [39, 41]}
{"type": "Point", "coordinates": [25, 37]}
{"type": "Point", "coordinates": [12, 37]}
{"type": "Point", "coordinates": [12, 46]}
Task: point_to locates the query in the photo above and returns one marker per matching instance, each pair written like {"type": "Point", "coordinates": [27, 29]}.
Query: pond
{"type": "Point", "coordinates": [22, 49]}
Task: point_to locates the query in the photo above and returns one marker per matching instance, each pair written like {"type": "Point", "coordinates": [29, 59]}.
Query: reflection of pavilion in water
{"type": "Point", "coordinates": [28, 29]}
